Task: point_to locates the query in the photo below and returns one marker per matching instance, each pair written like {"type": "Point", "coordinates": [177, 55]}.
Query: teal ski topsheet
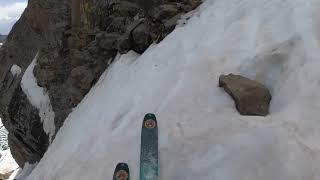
{"type": "Point", "coordinates": [149, 169]}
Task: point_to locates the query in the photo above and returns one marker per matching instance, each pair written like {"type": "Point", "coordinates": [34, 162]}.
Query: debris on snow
{"type": "Point", "coordinates": [251, 97]}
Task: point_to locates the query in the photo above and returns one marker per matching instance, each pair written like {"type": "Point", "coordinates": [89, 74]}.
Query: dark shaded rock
{"type": "Point", "coordinates": [193, 3]}
{"type": "Point", "coordinates": [79, 82]}
{"type": "Point", "coordinates": [79, 58]}
{"type": "Point", "coordinates": [171, 23]}
{"type": "Point", "coordinates": [147, 6]}
{"type": "Point", "coordinates": [96, 14]}
{"type": "Point", "coordinates": [118, 24]}
{"type": "Point", "coordinates": [125, 9]}
{"type": "Point", "coordinates": [141, 37]}
{"type": "Point", "coordinates": [134, 25]}
{"type": "Point", "coordinates": [251, 97]}
{"type": "Point", "coordinates": [124, 43]}
{"type": "Point", "coordinates": [166, 11]}
{"type": "Point", "coordinates": [2, 38]}
{"type": "Point", "coordinates": [92, 48]}
{"type": "Point", "coordinates": [84, 75]}
{"type": "Point", "coordinates": [77, 38]}
{"type": "Point", "coordinates": [29, 140]}
{"type": "Point", "coordinates": [108, 41]}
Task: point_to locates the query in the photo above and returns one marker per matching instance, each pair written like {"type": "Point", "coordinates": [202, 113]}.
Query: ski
{"type": "Point", "coordinates": [121, 172]}
{"type": "Point", "coordinates": [149, 169]}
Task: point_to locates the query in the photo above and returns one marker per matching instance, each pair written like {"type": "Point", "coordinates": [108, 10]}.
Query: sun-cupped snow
{"type": "Point", "coordinates": [15, 70]}
{"type": "Point", "coordinates": [39, 98]}
{"type": "Point", "coordinates": [201, 135]}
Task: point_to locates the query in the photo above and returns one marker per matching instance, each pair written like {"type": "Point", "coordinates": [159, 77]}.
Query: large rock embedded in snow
{"type": "Point", "coordinates": [251, 97]}
{"type": "Point", "coordinates": [70, 61]}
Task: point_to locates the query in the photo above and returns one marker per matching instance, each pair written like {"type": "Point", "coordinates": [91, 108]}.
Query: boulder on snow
{"type": "Point", "coordinates": [251, 97]}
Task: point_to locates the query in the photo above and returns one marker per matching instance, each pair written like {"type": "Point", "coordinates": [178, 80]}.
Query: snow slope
{"type": "Point", "coordinates": [38, 97]}
{"type": "Point", "coordinates": [202, 136]}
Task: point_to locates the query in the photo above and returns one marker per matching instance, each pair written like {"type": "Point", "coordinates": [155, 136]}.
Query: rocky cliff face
{"type": "Point", "coordinates": [70, 60]}
{"type": "Point", "coordinates": [40, 27]}
{"type": "Point", "coordinates": [2, 38]}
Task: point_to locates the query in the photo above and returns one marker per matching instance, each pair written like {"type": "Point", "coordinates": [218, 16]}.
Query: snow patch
{"type": "Point", "coordinates": [39, 98]}
{"type": "Point", "coordinates": [7, 163]}
{"type": "Point", "coordinates": [15, 70]}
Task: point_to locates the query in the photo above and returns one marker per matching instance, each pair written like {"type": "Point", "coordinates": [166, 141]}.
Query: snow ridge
{"type": "Point", "coordinates": [39, 98]}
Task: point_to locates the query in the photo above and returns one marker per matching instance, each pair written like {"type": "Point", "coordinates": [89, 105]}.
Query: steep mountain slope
{"type": "Point", "coordinates": [2, 38]}
{"type": "Point", "coordinates": [202, 136]}
{"type": "Point", "coordinates": [69, 61]}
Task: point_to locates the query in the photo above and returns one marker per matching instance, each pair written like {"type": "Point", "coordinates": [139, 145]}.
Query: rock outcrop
{"type": "Point", "coordinates": [251, 97]}
{"type": "Point", "coordinates": [2, 38]}
{"type": "Point", "coordinates": [40, 26]}
{"type": "Point", "coordinates": [70, 60]}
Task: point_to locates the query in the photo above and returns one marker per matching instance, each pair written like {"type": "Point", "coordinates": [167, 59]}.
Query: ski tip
{"type": "Point", "coordinates": [122, 165]}
{"type": "Point", "coordinates": [150, 116]}
{"type": "Point", "coordinates": [150, 121]}
{"type": "Point", "coordinates": [121, 172]}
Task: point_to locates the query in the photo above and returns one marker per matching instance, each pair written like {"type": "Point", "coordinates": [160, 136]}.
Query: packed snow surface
{"type": "Point", "coordinates": [39, 98]}
{"type": "Point", "coordinates": [201, 135]}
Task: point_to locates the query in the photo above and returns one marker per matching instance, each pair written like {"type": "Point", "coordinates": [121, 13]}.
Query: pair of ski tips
{"type": "Point", "coordinates": [149, 169]}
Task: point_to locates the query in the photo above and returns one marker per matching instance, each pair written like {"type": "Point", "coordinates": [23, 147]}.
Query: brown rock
{"type": "Point", "coordinates": [166, 11]}
{"type": "Point", "coordinates": [251, 97]}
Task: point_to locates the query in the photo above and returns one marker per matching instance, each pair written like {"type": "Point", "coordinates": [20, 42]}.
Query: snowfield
{"type": "Point", "coordinates": [38, 97]}
{"type": "Point", "coordinates": [201, 135]}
